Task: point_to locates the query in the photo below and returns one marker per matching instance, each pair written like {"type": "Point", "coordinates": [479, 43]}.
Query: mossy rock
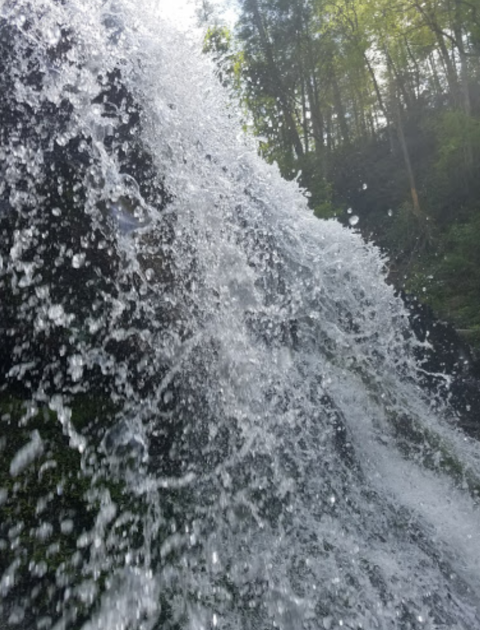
{"type": "Point", "coordinates": [53, 487]}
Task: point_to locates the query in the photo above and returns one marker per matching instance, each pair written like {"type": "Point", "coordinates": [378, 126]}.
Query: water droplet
{"type": "Point", "coordinates": [66, 526]}
{"type": "Point", "coordinates": [390, 212]}
{"type": "Point", "coordinates": [349, 211]}
{"type": "Point", "coordinates": [78, 261]}
{"type": "Point", "coordinates": [20, 21]}
{"type": "Point", "coordinates": [76, 367]}
{"type": "Point", "coordinates": [353, 220]}
{"type": "Point", "coordinates": [365, 186]}
{"type": "Point", "coordinates": [27, 454]}
{"type": "Point", "coordinates": [53, 35]}
{"type": "Point", "coordinates": [56, 313]}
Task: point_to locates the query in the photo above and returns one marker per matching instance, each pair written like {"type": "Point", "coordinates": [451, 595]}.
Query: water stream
{"type": "Point", "coordinates": [211, 411]}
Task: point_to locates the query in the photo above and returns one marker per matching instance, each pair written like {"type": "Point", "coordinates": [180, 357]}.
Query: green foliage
{"type": "Point", "coordinates": [219, 44]}
{"type": "Point", "coordinates": [422, 445]}
{"type": "Point", "coordinates": [457, 134]}
{"type": "Point", "coordinates": [325, 210]}
{"type": "Point", "coordinates": [449, 278]}
{"type": "Point", "coordinates": [217, 41]}
{"type": "Point", "coordinates": [321, 197]}
{"type": "Point", "coordinates": [405, 232]}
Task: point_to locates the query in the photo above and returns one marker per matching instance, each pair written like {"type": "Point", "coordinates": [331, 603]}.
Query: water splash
{"type": "Point", "coordinates": [211, 411]}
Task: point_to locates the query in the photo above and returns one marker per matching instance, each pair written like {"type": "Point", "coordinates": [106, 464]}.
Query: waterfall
{"type": "Point", "coordinates": [211, 411]}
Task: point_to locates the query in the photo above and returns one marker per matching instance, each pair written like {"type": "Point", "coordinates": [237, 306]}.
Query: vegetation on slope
{"type": "Point", "coordinates": [376, 104]}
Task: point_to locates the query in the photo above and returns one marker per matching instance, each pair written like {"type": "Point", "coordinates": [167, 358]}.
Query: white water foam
{"type": "Point", "coordinates": [294, 505]}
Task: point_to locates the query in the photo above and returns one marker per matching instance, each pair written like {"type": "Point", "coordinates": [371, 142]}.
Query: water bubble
{"type": "Point", "coordinates": [365, 186]}
{"type": "Point", "coordinates": [27, 454]}
{"type": "Point", "coordinates": [16, 616]}
{"type": "Point", "coordinates": [53, 35]}
{"type": "Point", "coordinates": [28, 270]}
{"type": "Point", "coordinates": [390, 212]}
{"type": "Point", "coordinates": [44, 531]}
{"type": "Point", "coordinates": [76, 367]}
{"type": "Point", "coordinates": [78, 260]}
{"type": "Point", "coordinates": [3, 495]}
{"type": "Point", "coordinates": [66, 526]}
{"type": "Point", "coordinates": [57, 314]}
{"type": "Point", "coordinates": [349, 211]}
{"type": "Point", "coordinates": [353, 220]}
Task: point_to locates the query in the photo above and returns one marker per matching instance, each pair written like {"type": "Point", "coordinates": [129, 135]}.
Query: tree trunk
{"type": "Point", "coordinates": [418, 72]}
{"type": "Point", "coordinates": [436, 79]}
{"type": "Point", "coordinates": [449, 66]}
{"type": "Point", "coordinates": [305, 117]}
{"type": "Point", "coordinates": [395, 106]}
{"type": "Point", "coordinates": [340, 111]}
{"type": "Point", "coordinates": [464, 78]}
{"type": "Point", "coordinates": [400, 83]}
{"type": "Point", "coordinates": [381, 102]}
{"type": "Point", "coordinates": [277, 81]}
{"type": "Point", "coordinates": [316, 114]}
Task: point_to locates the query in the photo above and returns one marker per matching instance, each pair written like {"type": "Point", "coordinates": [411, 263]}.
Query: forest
{"type": "Point", "coordinates": [374, 105]}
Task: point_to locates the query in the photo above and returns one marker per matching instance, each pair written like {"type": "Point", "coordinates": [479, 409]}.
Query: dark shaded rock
{"type": "Point", "coordinates": [60, 270]}
{"type": "Point", "coordinates": [449, 363]}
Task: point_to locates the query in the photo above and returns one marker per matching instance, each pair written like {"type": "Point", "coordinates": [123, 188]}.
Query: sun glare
{"type": "Point", "coordinates": [180, 12]}
{"type": "Point", "coordinates": [184, 13]}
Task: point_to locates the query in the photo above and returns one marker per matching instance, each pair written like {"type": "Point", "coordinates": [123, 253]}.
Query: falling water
{"type": "Point", "coordinates": [211, 411]}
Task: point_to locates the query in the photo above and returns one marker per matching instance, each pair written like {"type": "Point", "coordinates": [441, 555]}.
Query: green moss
{"type": "Point", "coordinates": [423, 445]}
{"type": "Point", "coordinates": [51, 500]}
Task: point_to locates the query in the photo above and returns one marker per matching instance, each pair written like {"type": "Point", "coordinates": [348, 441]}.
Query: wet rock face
{"type": "Point", "coordinates": [61, 272]}
{"type": "Point", "coordinates": [77, 274]}
{"type": "Point", "coordinates": [449, 355]}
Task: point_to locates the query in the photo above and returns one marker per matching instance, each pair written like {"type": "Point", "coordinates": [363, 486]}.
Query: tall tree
{"type": "Point", "coordinates": [277, 85]}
